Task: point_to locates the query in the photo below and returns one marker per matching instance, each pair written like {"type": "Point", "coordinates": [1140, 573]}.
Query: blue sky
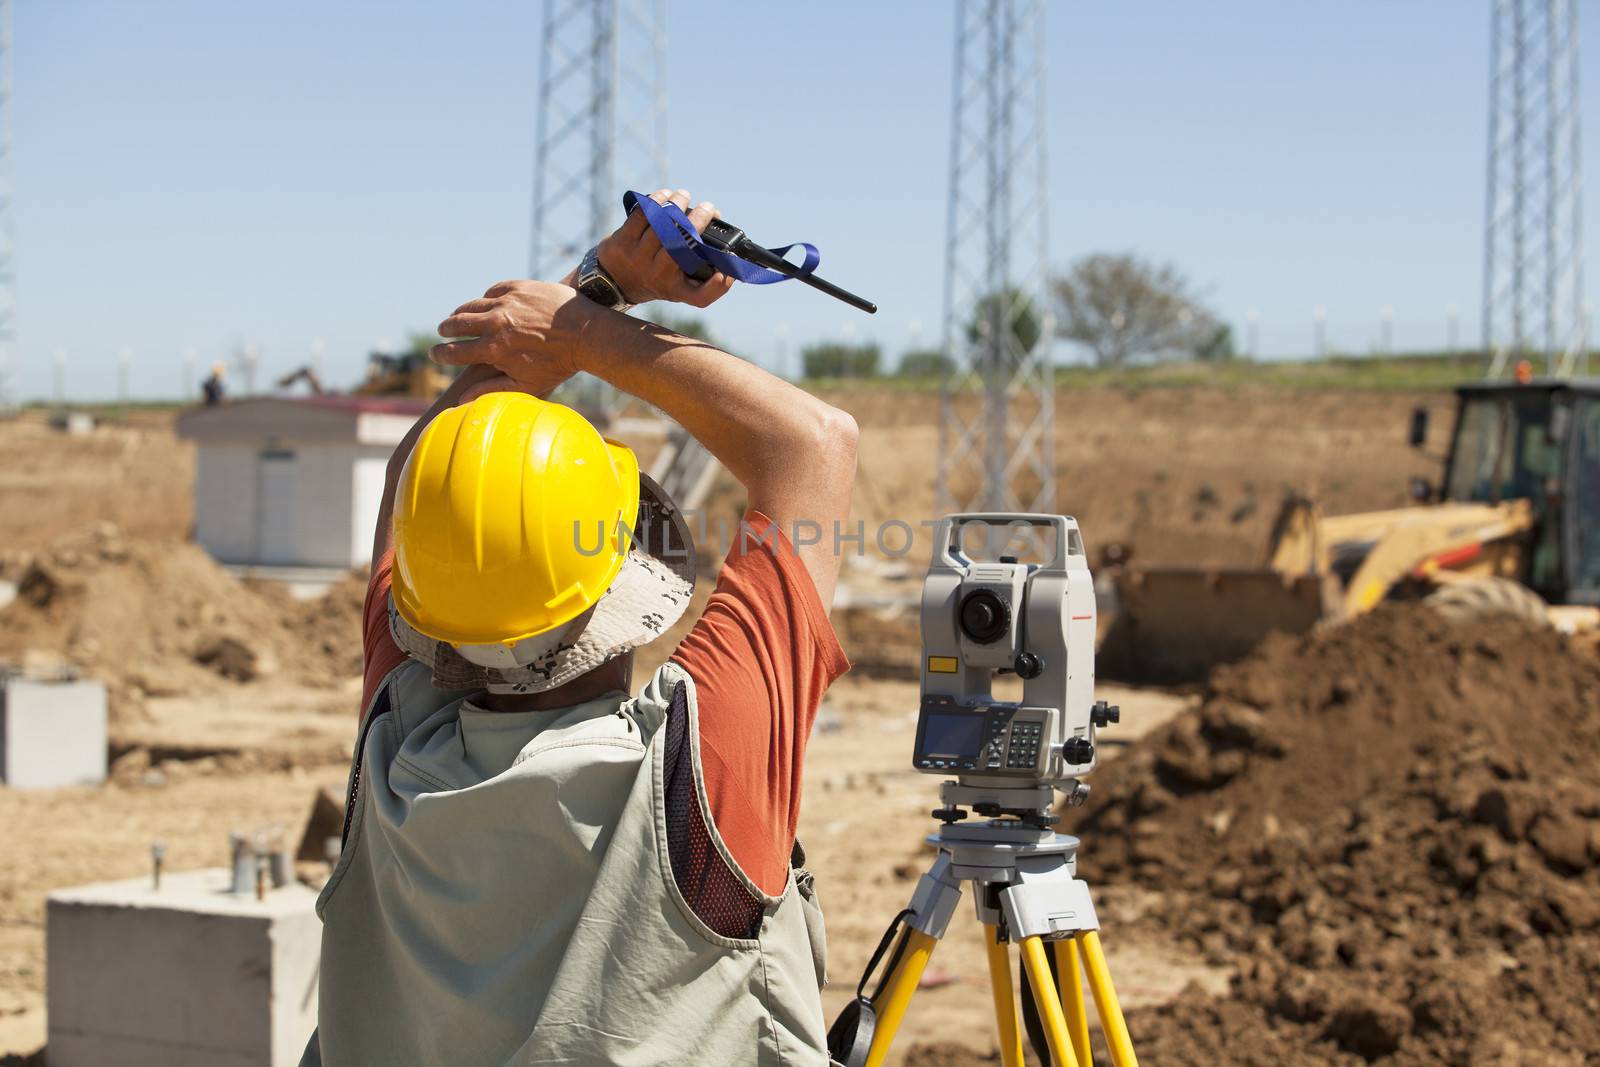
{"type": "Point", "coordinates": [197, 174]}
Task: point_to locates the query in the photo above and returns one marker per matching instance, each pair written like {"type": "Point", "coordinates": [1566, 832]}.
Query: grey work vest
{"type": "Point", "coordinates": [505, 897]}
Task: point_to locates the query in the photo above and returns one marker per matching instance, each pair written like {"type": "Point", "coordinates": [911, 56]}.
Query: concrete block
{"type": "Point", "coordinates": [185, 976]}
{"type": "Point", "coordinates": [52, 733]}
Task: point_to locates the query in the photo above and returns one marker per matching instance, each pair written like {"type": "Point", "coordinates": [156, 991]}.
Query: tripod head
{"type": "Point", "coordinates": [983, 617]}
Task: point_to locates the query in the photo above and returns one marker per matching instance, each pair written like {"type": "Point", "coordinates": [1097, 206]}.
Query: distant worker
{"type": "Point", "coordinates": [539, 867]}
{"type": "Point", "coordinates": [212, 388]}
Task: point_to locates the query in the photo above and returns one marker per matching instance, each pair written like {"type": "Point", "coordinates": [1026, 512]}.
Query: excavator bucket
{"type": "Point", "coordinates": [1173, 624]}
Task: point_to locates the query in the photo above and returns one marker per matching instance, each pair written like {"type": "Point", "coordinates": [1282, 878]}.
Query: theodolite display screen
{"type": "Point", "coordinates": [992, 739]}
{"type": "Point", "coordinates": [958, 734]}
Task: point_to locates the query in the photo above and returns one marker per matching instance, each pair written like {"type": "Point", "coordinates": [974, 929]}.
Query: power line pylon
{"type": "Point", "coordinates": [602, 119]}
{"type": "Point", "coordinates": [1533, 304]}
{"type": "Point", "coordinates": [997, 408]}
{"type": "Point", "coordinates": [8, 279]}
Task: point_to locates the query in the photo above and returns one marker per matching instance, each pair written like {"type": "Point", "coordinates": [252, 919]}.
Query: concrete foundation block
{"type": "Point", "coordinates": [52, 733]}
{"type": "Point", "coordinates": [185, 976]}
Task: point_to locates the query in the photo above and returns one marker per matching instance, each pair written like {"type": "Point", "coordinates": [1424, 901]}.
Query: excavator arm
{"type": "Point", "coordinates": [1437, 543]}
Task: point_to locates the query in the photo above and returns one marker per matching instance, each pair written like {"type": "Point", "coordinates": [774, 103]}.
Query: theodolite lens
{"type": "Point", "coordinates": [984, 616]}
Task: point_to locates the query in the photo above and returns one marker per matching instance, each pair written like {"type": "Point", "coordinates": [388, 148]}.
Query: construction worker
{"type": "Point", "coordinates": [214, 388]}
{"type": "Point", "coordinates": [539, 867]}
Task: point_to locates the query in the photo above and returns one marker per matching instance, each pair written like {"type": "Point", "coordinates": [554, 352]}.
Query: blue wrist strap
{"type": "Point", "coordinates": [690, 253]}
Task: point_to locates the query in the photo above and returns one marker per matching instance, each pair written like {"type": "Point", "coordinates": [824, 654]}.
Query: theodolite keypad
{"type": "Point", "coordinates": [1024, 749]}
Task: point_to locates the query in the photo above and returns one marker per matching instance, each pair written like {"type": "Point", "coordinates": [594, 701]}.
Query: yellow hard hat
{"type": "Point", "coordinates": [512, 518]}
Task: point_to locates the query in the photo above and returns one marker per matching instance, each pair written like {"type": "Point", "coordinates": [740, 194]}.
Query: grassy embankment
{"type": "Point", "coordinates": [1404, 372]}
{"type": "Point", "coordinates": [1411, 371]}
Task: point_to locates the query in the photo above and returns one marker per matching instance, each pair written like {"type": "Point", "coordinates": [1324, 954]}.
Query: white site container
{"type": "Point", "coordinates": [295, 482]}
{"type": "Point", "coordinates": [52, 733]}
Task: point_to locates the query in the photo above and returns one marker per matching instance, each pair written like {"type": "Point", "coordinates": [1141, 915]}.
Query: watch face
{"type": "Point", "coordinates": [601, 291]}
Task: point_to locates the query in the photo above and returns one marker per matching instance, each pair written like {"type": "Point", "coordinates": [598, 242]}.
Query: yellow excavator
{"type": "Point", "coordinates": [1512, 529]}
{"type": "Point", "coordinates": [410, 374]}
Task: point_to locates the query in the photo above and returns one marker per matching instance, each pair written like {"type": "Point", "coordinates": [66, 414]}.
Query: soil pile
{"type": "Point", "coordinates": [157, 618]}
{"type": "Point", "coordinates": [322, 634]}
{"type": "Point", "coordinates": [1392, 829]}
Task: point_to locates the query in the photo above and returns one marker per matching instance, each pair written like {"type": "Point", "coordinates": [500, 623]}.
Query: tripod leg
{"type": "Point", "coordinates": [895, 996]}
{"type": "Point", "coordinates": [1048, 1002]}
{"type": "Point", "coordinates": [1070, 971]}
{"type": "Point", "coordinates": [1105, 998]}
{"type": "Point", "coordinates": [1005, 1002]}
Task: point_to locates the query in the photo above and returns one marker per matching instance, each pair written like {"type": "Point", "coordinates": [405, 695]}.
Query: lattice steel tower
{"type": "Point", "coordinates": [997, 410]}
{"type": "Point", "coordinates": [8, 280]}
{"type": "Point", "coordinates": [602, 122]}
{"type": "Point", "coordinates": [1533, 303]}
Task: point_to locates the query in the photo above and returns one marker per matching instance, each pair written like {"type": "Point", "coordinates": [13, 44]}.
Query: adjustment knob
{"type": "Point", "coordinates": [948, 815]}
{"type": "Point", "coordinates": [1103, 714]}
{"type": "Point", "coordinates": [1029, 665]}
{"type": "Point", "coordinates": [1077, 751]}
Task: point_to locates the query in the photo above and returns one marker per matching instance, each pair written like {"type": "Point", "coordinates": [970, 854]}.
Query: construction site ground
{"type": "Point", "coordinates": [233, 703]}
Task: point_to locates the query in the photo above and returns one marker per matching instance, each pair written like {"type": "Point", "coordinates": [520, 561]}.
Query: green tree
{"type": "Point", "coordinates": [834, 359]}
{"type": "Point", "coordinates": [925, 363]}
{"type": "Point", "coordinates": [1007, 311]}
{"type": "Point", "coordinates": [1217, 347]}
{"type": "Point", "coordinates": [1123, 308]}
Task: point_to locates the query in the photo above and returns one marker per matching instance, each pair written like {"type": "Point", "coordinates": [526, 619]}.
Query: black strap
{"type": "Point", "coordinates": [380, 706]}
{"type": "Point", "coordinates": [850, 1036]}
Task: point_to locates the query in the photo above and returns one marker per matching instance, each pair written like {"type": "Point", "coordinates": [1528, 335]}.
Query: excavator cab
{"type": "Point", "coordinates": [1538, 442]}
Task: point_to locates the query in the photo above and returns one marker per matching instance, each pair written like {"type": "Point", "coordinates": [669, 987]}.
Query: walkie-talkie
{"type": "Point", "coordinates": [726, 237]}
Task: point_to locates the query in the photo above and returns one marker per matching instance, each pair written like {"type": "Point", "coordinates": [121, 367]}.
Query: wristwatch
{"type": "Point", "coordinates": [596, 283]}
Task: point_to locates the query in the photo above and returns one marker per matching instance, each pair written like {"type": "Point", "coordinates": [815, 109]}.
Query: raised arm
{"type": "Point", "coordinates": [645, 272]}
{"type": "Point", "coordinates": [794, 454]}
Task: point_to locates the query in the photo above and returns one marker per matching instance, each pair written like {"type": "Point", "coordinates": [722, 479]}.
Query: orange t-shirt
{"type": "Point", "coordinates": [761, 656]}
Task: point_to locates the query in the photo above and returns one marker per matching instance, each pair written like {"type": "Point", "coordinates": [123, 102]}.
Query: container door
{"type": "Point", "coordinates": [275, 525]}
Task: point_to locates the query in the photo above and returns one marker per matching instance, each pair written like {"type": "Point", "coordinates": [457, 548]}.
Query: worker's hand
{"type": "Point", "coordinates": [480, 379]}
{"type": "Point", "coordinates": [527, 330]}
{"type": "Point", "coordinates": [642, 268]}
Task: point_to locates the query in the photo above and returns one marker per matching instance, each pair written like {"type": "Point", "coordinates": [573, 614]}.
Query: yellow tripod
{"type": "Point", "coordinates": [1026, 891]}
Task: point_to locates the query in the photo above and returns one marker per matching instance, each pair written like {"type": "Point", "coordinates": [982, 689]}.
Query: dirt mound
{"type": "Point", "coordinates": [160, 618]}
{"type": "Point", "coordinates": [322, 635]}
{"type": "Point", "coordinates": [1204, 483]}
{"type": "Point", "coordinates": [1391, 828]}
